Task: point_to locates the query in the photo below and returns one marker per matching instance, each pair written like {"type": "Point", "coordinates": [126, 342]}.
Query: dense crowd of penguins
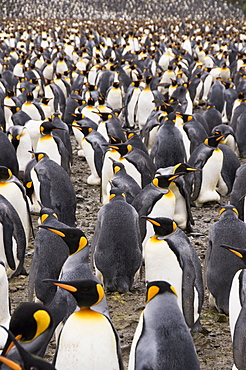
{"type": "Point", "coordinates": [123, 10]}
{"type": "Point", "coordinates": [158, 112]}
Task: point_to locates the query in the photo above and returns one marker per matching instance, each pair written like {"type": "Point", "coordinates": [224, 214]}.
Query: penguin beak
{"type": "Point", "coordinates": [11, 364]}
{"type": "Point", "coordinates": [53, 230]}
{"type": "Point", "coordinates": [68, 287]}
{"type": "Point", "coordinates": [237, 253]}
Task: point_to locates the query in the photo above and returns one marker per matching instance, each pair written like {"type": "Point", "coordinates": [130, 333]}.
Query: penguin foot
{"type": "Point", "coordinates": [198, 328]}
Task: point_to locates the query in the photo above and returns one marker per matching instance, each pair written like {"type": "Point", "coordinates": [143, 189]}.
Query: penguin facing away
{"type": "Point", "coordinates": [46, 178]}
{"type": "Point", "coordinates": [221, 265]}
{"type": "Point", "coordinates": [50, 253]}
{"type": "Point", "coordinates": [116, 244]}
{"type": "Point", "coordinates": [162, 339]}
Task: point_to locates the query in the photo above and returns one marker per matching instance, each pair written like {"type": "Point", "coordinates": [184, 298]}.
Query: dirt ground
{"type": "Point", "coordinates": [214, 350]}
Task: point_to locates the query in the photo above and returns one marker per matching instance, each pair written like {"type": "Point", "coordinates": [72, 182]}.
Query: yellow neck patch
{"type": "Point", "coordinates": [43, 321]}
{"type": "Point", "coordinates": [152, 292]}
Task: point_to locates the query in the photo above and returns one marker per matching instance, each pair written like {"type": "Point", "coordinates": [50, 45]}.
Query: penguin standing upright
{"type": "Point", "coordinates": [168, 148]}
{"type": "Point", "coordinates": [12, 239]}
{"type": "Point", "coordinates": [220, 264]}
{"type": "Point", "coordinates": [13, 190]}
{"type": "Point", "coordinates": [165, 259]}
{"type": "Point", "coordinates": [8, 156]}
{"type": "Point", "coordinates": [52, 145]}
{"type": "Point", "coordinates": [46, 179]}
{"type": "Point", "coordinates": [131, 101]}
{"type": "Point", "coordinates": [116, 244]}
{"type": "Point", "coordinates": [95, 350]}
{"type": "Point", "coordinates": [94, 147]}
{"type": "Point", "coordinates": [209, 159]}
{"type": "Point", "coordinates": [162, 339]}
{"type": "Point", "coordinates": [145, 104]}
{"type": "Point", "coordinates": [20, 138]}
{"type": "Point", "coordinates": [50, 253]}
{"type": "Point", "coordinates": [114, 96]}
{"type": "Point", "coordinates": [238, 192]}
{"type": "Point", "coordinates": [182, 214]}
{"type": "Point", "coordinates": [138, 164]}
{"type": "Point", "coordinates": [4, 301]}
{"type": "Point", "coordinates": [155, 200]}
{"type": "Point", "coordinates": [237, 309]}
{"type": "Point", "coordinates": [123, 181]}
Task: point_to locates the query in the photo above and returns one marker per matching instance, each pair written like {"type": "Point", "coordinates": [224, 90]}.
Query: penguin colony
{"type": "Point", "coordinates": [157, 112]}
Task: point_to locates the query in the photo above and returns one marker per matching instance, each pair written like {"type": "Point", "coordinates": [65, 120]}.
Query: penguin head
{"type": "Point", "coordinates": [158, 287]}
{"type": "Point", "coordinates": [73, 237]}
{"type": "Point", "coordinates": [162, 225]}
{"type": "Point", "coordinates": [28, 321]}
{"type": "Point", "coordinates": [86, 292]}
{"type": "Point", "coordinates": [39, 155]}
{"type": "Point", "coordinates": [122, 148]}
{"type": "Point", "coordinates": [223, 130]}
{"type": "Point", "coordinates": [117, 166]}
{"type": "Point", "coordinates": [46, 213]}
{"type": "Point", "coordinates": [84, 128]}
{"type": "Point", "coordinates": [47, 126]}
{"type": "Point", "coordinates": [15, 133]}
{"type": "Point", "coordinates": [116, 193]}
{"type": "Point", "coordinates": [5, 174]}
{"type": "Point", "coordinates": [183, 168]}
{"type": "Point", "coordinates": [164, 180]}
{"type": "Point", "coordinates": [105, 116]}
{"type": "Point", "coordinates": [229, 210]}
{"type": "Point", "coordinates": [215, 140]}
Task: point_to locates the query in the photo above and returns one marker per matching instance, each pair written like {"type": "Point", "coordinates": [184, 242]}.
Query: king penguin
{"type": "Point", "coordinates": [52, 145]}
{"type": "Point", "coordinates": [20, 138]}
{"type": "Point", "coordinates": [170, 256]}
{"type": "Point", "coordinates": [8, 156]}
{"type": "Point", "coordinates": [12, 239]}
{"type": "Point", "coordinates": [95, 349]}
{"type": "Point", "coordinates": [238, 192]}
{"type": "Point", "coordinates": [50, 253]}
{"type": "Point", "coordinates": [162, 339]}
{"type": "Point", "coordinates": [220, 264]}
{"type": "Point", "coordinates": [13, 190]}
{"type": "Point", "coordinates": [237, 309]}
{"type": "Point", "coordinates": [209, 159]}
{"type": "Point", "coordinates": [155, 200]}
{"type": "Point", "coordinates": [116, 244]}
{"type": "Point", "coordinates": [46, 179]}
{"type": "Point", "coordinates": [4, 301]}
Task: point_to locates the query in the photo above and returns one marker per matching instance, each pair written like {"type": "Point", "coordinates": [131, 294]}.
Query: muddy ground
{"type": "Point", "coordinates": [214, 350]}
